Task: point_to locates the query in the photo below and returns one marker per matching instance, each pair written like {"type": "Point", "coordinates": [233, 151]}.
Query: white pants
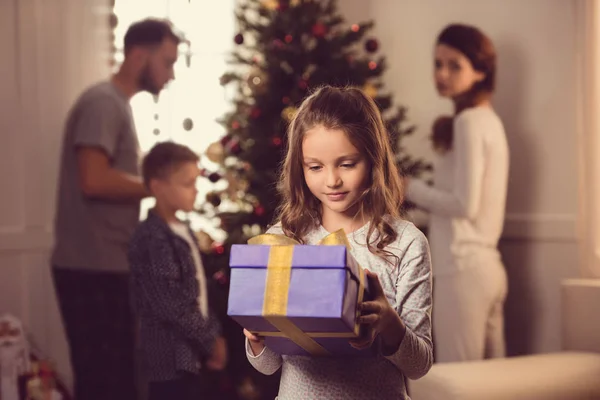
{"type": "Point", "coordinates": [468, 305]}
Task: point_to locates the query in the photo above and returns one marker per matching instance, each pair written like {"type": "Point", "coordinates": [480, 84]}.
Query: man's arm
{"type": "Point", "coordinates": [98, 179]}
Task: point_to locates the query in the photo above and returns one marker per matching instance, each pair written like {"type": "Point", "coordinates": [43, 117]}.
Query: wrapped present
{"type": "Point", "coordinates": [302, 298]}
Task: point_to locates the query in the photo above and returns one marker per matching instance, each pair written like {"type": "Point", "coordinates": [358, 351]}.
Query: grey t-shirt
{"type": "Point", "coordinates": [93, 234]}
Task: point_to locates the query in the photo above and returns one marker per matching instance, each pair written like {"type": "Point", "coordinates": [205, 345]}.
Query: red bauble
{"type": "Point", "coordinates": [319, 30]}
{"type": "Point", "coordinates": [218, 248]}
{"type": "Point", "coordinates": [235, 125]}
{"type": "Point", "coordinates": [226, 139]}
{"type": "Point", "coordinates": [220, 277]}
{"type": "Point", "coordinates": [255, 112]}
{"type": "Point", "coordinates": [371, 45]}
{"type": "Point", "coordinates": [277, 141]}
{"type": "Point", "coordinates": [372, 65]}
{"type": "Point", "coordinates": [288, 38]}
{"type": "Point", "coordinates": [234, 147]}
{"type": "Point", "coordinates": [259, 210]}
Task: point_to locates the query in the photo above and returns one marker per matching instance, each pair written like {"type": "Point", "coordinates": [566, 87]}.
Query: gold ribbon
{"type": "Point", "coordinates": [279, 270]}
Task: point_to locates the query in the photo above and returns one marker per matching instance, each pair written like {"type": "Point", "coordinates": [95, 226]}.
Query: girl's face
{"type": "Point", "coordinates": [453, 72]}
{"type": "Point", "coordinates": [335, 171]}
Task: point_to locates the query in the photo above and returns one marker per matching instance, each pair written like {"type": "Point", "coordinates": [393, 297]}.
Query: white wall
{"type": "Point", "coordinates": [536, 98]}
{"type": "Point", "coordinates": [50, 51]}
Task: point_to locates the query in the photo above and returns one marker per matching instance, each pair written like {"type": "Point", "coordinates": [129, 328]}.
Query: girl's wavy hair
{"type": "Point", "coordinates": [480, 52]}
{"type": "Point", "coordinates": [356, 114]}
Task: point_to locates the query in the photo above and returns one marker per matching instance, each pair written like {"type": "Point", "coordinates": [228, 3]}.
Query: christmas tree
{"type": "Point", "coordinates": [283, 50]}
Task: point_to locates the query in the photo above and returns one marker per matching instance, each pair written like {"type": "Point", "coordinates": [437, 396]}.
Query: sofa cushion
{"type": "Point", "coordinates": [555, 376]}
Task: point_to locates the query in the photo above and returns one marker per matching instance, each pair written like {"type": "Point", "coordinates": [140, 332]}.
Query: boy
{"type": "Point", "coordinates": [180, 338]}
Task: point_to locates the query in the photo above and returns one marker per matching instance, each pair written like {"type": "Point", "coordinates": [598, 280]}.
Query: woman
{"type": "Point", "coordinates": [467, 201]}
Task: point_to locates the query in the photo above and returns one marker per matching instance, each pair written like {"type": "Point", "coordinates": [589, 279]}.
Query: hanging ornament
{"type": "Point", "coordinates": [220, 277]}
{"type": "Point", "coordinates": [214, 177]}
{"type": "Point", "coordinates": [277, 141]}
{"type": "Point", "coordinates": [302, 84]}
{"type": "Point", "coordinates": [370, 90]}
{"type": "Point", "coordinates": [288, 113]}
{"type": "Point", "coordinates": [372, 65]}
{"type": "Point", "coordinates": [233, 146]}
{"type": "Point", "coordinates": [218, 248]}
{"type": "Point", "coordinates": [213, 198]}
{"type": "Point", "coordinates": [278, 44]}
{"type": "Point", "coordinates": [235, 125]}
{"type": "Point", "coordinates": [205, 242]}
{"type": "Point", "coordinates": [270, 4]}
{"type": "Point", "coordinates": [225, 139]}
{"type": "Point", "coordinates": [288, 38]}
{"type": "Point", "coordinates": [238, 39]}
{"type": "Point", "coordinates": [259, 210]}
{"type": "Point", "coordinates": [355, 28]}
{"type": "Point", "coordinates": [371, 45]}
{"type": "Point", "coordinates": [255, 112]}
{"type": "Point", "coordinates": [319, 30]}
{"type": "Point", "coordinates": [226, 78]}
{"type": "Point", "coordinates": [286, 100]}
{"type": "Point", "coordinates": [188, 124]}
{"type": "Point", "coordinates": [257, 81]}
{"type": "Point", "coordinates": [215, 152]}
{"type": "Point", "coordinates": [114, 20]}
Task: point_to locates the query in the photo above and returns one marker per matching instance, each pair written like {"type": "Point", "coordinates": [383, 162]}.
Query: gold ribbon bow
{"type": "Point", "coordinates": [279, 271]}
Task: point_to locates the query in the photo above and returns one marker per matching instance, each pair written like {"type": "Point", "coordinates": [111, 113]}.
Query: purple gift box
{"type": "Point", "coordinates": [301, 298]}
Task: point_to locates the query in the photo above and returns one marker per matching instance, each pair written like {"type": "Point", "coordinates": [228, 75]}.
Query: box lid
{"type": "Point", "coordinates": [304, 256]}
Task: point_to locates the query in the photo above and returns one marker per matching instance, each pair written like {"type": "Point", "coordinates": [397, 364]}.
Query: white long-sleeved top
{"type": "Point", "coordinates": [467, 201]}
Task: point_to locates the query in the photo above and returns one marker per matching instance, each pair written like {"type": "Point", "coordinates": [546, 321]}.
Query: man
{"type": "Point", "coordinates": [99, 195]}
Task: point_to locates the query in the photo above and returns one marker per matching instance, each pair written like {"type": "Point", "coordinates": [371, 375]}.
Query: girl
{"type": "Point", "coordinates": [467, 201]}
{"type": "Point", "coordinates": [339, 173]}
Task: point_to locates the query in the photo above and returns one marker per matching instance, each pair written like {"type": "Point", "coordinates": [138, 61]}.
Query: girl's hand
{"type": "Point", "coordinates": [257, 343]}
{"type": "Point", "coordinates": [379, 318]}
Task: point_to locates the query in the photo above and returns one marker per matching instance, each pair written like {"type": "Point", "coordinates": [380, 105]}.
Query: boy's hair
{"type": "Point", "coordinates": [164, 158]}
{"type": "Point", "coordinates": [356, 114]}
{"type": "Point", "coordinates": [149, 32]}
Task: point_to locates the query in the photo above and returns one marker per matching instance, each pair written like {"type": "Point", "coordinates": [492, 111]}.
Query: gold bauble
{"type": "Point", "coordinates": [216, 152]}
{"type": "Point", "coordinates": [270, 4]}
{"type": "Point", "coordinates": [257, 81]}
{"type": "Point", "coordinates": [288, 113]}
{"type": "Point", "coordinates": [370, 90]}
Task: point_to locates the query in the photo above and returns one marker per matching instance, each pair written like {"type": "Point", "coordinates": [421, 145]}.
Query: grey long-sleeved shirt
{"type": "Point", "coordinates": [408, 290]}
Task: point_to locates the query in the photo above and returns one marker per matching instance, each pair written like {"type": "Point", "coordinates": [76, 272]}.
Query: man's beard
{"type": "Point", "coordinates": [146, 83]}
